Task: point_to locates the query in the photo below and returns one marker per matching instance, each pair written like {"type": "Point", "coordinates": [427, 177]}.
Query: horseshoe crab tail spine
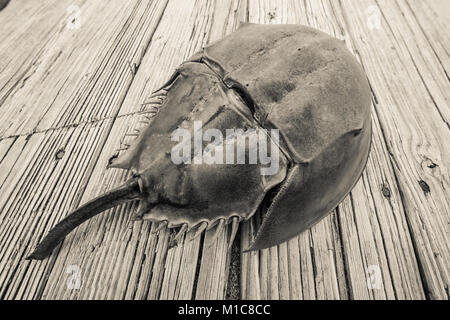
{"type": "Point", "coordinates": [127, 192]}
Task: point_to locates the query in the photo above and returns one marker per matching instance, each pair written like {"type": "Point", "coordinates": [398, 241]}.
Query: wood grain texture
{"type": "Point", "coordinates": [415, 132]}
{"type": "Point", "coordinates": [68, 97]}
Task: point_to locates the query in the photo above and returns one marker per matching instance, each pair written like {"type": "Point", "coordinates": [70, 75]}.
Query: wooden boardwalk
{"type": "Point", "coordinates": [72, 81]}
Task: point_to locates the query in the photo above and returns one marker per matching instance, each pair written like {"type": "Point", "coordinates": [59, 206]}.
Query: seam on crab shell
{"type": "Point", "coordinates": [243, 94]}
{"type": "Point", "coordinates": [212, 64]}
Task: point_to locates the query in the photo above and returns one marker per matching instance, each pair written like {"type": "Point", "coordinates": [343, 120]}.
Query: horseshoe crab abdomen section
{"type": "Point", "coordinates": [195, 94]}
{"type": "Point", "coordinates": [300, 80]}
{"type": "Point", "coordinates": [217, 148]}
{"type": "Point", "coordinates": [218, 192]}
{"type": "Point", "coordinates": [226, 178]}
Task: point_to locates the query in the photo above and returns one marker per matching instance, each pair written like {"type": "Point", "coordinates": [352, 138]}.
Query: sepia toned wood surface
{"type": "Point", "coordinates": [74, 75]}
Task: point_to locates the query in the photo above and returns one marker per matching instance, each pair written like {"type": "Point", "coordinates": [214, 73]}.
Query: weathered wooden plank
{"type": "Point", "coordinates": [424, 59]}
{"type": "Point", "coordinates": [371, 229]}
{"type": "Point", "coordinates": [82, 71]}
{"type": "Point", "coordinates": [413, 129]}
{"type": "Point", "coordinates": [27, 27]}
{"type": "Point", "coordinates": [38, 181]}
{"type": "Point", "coordinates": [31, 194]}
{"type": "Point", "coordinates": [433, 17]}
{"type": "Point", "coordinates": [8, 155]}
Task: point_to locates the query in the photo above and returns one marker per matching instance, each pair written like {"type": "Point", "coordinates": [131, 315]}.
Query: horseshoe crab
{"type": "Point", "coordinates": [289, 78]}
